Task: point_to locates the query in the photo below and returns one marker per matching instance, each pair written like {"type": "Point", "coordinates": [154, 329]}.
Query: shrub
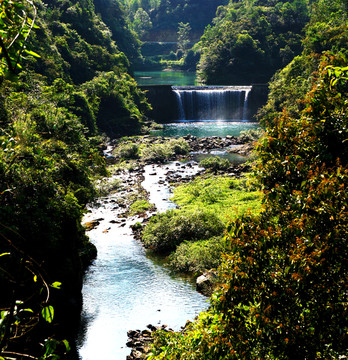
{"type": "Point", "coordinates": [163, 152]}
{"type": "Point", "coordinates": [140, 207]}
{"type": "Point", "coordinates": [250, 135]}
{"type": "Point", "coordinates": [127, 151]}
{"type": "Point", "coordinates": [155, 152]}
{"type": "Point", "coordinates": [179, 146]}
{"type": "Point", "coordinates": [166, 231]}
{"type": "Point", "coordinates": [195, 257]}
{"type": "Point", "coordinates": [214, 163]}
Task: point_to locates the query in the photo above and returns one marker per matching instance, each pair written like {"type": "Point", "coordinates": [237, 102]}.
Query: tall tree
{"type": "Point", "coordinates": [183, 36]}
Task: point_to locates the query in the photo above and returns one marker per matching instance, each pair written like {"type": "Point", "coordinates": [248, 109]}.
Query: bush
{"type": "Point", "coordinates": [155, 152]}
{"type": "Point", "coordinates": [250, 135]}
{"type": "Point", "coordinates": [163, 152]}
{"type": "Point", "coordinates": [139, 207]}
{"type": "Point", "coordinates": [179, 146]}
{"type": "Point", "coordinates": [127, 151]}
{"type": "Point", "coordinates": [214, 163]}
{"type": "Point", "coordinates": [195, 257]}
{"type": "Point", "coordinates": [166, 231]}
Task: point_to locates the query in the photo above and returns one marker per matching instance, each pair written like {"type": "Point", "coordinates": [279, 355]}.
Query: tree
{"type": "Point", "coordinates": [142, 22]}
{"type": "Point", "coordinates": [183, 36]}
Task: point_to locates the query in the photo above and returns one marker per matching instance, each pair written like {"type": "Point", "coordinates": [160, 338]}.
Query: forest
{"type": "Point", "coordinates": [67, 88]}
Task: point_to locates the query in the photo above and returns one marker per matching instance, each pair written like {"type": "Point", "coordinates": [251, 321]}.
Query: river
{"type": "Point", "coordinates": [124, 289]}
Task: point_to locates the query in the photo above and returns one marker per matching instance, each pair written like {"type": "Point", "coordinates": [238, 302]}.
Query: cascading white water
{"type": "Point", "coordinates": [212, 103]}
{"type": "Point", "coordinates": [180, 105]}
{"type": "Point", "coordinates": [245, 106]}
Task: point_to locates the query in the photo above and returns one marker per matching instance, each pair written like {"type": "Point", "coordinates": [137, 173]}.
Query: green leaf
{"type": "Point", "coordinates": [27, 310]}
{"type": "Point", "coordinates": [67, 345]}
{"type": "Point", "coordinates": [32, 53]}
{"type": "Point", "coordinates": [48, 313]}
{"type": "Point", "coordinates": [56, 285]}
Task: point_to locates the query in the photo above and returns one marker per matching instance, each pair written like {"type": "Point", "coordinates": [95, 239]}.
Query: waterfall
{"type": "Point", "coordinates": [180, 105]}
{"type": "Point", "coordinates": [245, 105]}
{"type": "Point", "coordinates": [212, 103]}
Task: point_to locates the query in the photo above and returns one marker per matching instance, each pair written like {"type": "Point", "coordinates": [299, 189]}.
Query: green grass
{"type": "Point", "coordinates": [224, 196]}
{"type": "Point", "coordinates": [140, 207]}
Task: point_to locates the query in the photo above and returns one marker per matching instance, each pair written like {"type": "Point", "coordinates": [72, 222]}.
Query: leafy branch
{"type": "Point", "coordinates": [21, 315]}
{"type": "Point", "coordinates": [17, 19]}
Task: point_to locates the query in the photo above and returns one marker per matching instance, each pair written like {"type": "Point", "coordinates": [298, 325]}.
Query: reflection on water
{"type": "Point", "coordinates": [175, 78]}
{"type": "Point", "coordinates": [205, 128]}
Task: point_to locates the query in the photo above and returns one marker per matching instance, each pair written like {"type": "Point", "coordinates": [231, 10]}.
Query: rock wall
{"type": "Point", "coordinates": [256, 99]}
{"type": "Point", "coordinates": [163, 101]}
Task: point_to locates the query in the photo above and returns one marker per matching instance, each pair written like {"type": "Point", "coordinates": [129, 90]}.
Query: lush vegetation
{"type": "Point", "coordinates": [63, 82]}
{"type": "Point", "coordinates": [166, 231]}
{"type": "Point", "coordinates": [282, 281]}
{"type": "Point", "coordinates": [160, 18]}
{"type": "Point", "coordinates": [223, 197]}
{"type": "Point", "coordinates": [282, 284]}
{"type": "Point", "coordinates": [169, 28]}
{"type": "Point", "coordinates": [193, 234]}
{"type": "Point", "coordinates": [250, 40]}
{"type": "Point", "coordinates": [151, 151]}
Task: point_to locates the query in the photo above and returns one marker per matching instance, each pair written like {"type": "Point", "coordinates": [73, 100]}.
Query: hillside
{"type": "Point", "coordinates": [64, 82]}
{"type": "Point", "coordinates": [250, 40]}
{"type": "Point", "coordinates": [281, 286]}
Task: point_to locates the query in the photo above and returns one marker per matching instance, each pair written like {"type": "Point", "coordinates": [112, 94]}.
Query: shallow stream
{"type": "Point", "coordinates": [124, 289]}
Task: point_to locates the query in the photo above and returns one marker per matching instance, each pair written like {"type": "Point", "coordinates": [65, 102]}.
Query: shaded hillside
{"type": "Point", "coordinates": [54, 106]}
{"type": "Point", "coordinates": [250, 40]}
{"type": "Point", "coordinates": [157, 20]}
{"type": "Point", "coordinates": [281, 291]}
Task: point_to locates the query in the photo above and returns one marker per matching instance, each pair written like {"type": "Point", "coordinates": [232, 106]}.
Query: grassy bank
{"type": "Point", "coordinates": [194, 234]}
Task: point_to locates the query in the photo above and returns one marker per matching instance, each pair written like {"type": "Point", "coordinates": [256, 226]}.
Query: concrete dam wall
{"type": "Point", "coordinates": [235, 103]}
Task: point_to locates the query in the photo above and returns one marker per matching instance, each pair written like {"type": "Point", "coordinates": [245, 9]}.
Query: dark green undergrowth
{"type": "Point", "coordinates": [196, 257]}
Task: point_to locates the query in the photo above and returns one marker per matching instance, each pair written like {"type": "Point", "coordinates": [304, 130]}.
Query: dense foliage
{"type": "Point", "coordinates": [165, 15]}
{"type": "Point", "coordinates": [166, 231]}
{"type": "Point", "coordinates": [250, 40]}
{"type": "Point", "coordinates": [51, 117]}
{"type": "Point", "coordinates": [282, 284]}
{"type": "Point", "coordinates": [327, 31]}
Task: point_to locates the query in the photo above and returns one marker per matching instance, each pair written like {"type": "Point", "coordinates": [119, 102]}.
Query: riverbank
{"type": "Point", "coordinates": [143, 175]}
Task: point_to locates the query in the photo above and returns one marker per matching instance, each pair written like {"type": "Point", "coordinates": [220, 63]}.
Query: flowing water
{"type": "Point", "coordinates": [124, 289]}
{"type": "Point", "coordinates": [212, 102]}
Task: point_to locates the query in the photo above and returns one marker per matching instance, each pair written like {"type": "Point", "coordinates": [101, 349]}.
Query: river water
{"type": "Point", "coordinates": [124, 289]}
{"type": "Point", "coordinates": [175, 78]}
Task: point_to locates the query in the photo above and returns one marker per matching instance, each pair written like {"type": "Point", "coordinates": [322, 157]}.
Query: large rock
{"type": "Point", "coordinates": [206, 282]}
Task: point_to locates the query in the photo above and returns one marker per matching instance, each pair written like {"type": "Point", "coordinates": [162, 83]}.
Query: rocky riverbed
{"type": "Point", "coordinates": [153, 182]}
